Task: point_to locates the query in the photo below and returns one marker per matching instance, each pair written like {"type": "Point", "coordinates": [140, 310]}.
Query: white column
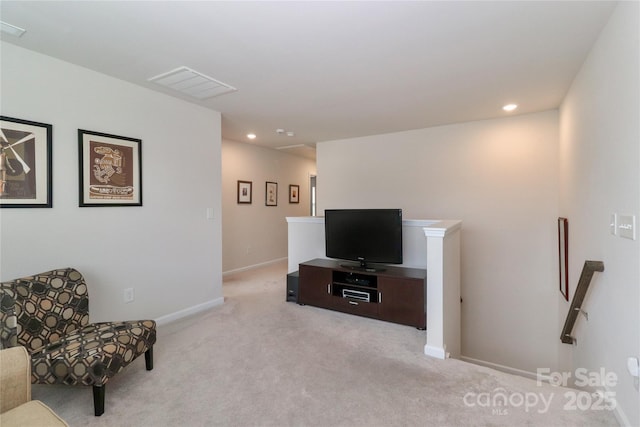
{"type": "Point", "coordinates": [443, 289]}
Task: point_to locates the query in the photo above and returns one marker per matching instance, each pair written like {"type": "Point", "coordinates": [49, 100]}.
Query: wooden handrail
{"type": "Point", "coordinates": [576, 303]}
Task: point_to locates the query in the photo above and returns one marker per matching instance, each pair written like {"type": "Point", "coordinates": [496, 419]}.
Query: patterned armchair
{"type": "Point", "coordinates": [48, 314]}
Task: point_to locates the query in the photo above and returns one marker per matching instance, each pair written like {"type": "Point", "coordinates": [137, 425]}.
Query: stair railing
{"type": "Point", "coordinates": [576, 303]}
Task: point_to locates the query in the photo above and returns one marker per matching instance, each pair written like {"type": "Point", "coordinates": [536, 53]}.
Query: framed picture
{"type": "Point", "coordinates": [271, 194]}
{"type": "Point", "coordinates": [563, 256]}
{"type": "Point", "coordinates": [294, 194]}
{"type": "Point", "coordinates": [244, 191]}
{"type": "Point", "coordinates": [110, 169]}
{"type": "Point", "coordinates": [25, 164]}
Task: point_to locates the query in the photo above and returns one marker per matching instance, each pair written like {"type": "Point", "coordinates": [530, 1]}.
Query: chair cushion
{"type": "Point", "coordinates": [32, 413]}
{"type": "Point", "coordinates": [93, 354]}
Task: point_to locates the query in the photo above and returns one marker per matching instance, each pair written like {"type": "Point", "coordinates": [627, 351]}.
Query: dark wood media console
{"type": "Point", "coordinates": [397, 294]}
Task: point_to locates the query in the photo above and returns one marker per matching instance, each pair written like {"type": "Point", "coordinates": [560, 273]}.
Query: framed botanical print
{"type": "Point", "coordinates": [271, 194]}
{"type": "Point", "coordinates": [25, 164]}
{"type": "Point", "coordinates": [244, 191]}
{"type": "Point", "coordinates": [110, 169]}
{"type": "Point", "coordinates": [294, 194]}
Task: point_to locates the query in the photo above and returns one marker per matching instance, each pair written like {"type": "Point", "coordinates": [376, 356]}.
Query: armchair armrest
{"type": "Point", "coordinates": [8, 318]}
{"type": "Point", "coordinates": [15, 378]}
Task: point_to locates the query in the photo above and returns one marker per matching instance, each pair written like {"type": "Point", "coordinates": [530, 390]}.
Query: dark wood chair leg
{"type": "Point", "coordinates": [98, 400]}
{"type": "Point", "coordinates": [148, 358]}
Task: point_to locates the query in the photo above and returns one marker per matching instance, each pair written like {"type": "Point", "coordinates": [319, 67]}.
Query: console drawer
{"type": "Point", "coordinates": [352, 306]}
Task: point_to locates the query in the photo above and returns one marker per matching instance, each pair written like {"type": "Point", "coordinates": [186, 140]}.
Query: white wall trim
{"type": "Point", "coordinates": [501, 368]}
{"type": "Point", "coordinates": [442, 228]}
{"type": "Point", "coordinates": [437, 352]}
{"type": "Point", "coordinates": [172, 317]}
{"type": "Point", "coordinates": [419, 222]}
{"type": "Point", "coordinates": [306, 219]}
{"type": "Point", "coordinates": [251, 267]}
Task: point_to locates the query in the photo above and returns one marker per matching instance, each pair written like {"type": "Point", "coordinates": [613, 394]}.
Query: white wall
{"type": "Point", "coordinates": [255, 234]}
{"type": "Point", "coordinates": [500, 178]}
{"type": "Point", "coordinates": [167, 250]}
{"type": "Point", "coordinates": [600, 175]}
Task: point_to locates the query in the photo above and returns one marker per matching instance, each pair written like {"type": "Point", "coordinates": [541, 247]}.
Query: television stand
{"type": "Point", "coordinates": [394, 294]}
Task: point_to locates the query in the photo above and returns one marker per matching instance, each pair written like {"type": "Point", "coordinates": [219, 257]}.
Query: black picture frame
{"type": "Point", "coordinates": [110, 169]}
{"type": "Point", "coordinates": [271, 194]}
{"type": "Point", "coordinates": [563, 256]}
{"type": "Point", "coordinates": [294, 193]}
{"type": "Point", "coordinates": [26, 167]}
{"type": "Point", "coordinates": [245, 192]}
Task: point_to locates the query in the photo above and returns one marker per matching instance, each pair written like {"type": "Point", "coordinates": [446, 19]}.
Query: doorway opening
{"type": "Point", "coordinates": [312, 192]}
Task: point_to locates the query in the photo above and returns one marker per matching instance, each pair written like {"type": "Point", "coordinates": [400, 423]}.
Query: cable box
{"type": "Point", "coordinates": [358, 295]}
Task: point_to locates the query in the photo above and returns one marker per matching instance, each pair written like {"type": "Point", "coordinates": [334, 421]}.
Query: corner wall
{"type": "Point", "coordinates": [255, 234]}
{"type": "Point", "coordinates": [167, 250]}
{"type": "Point", "coordinates": [499, 177]}
{"type": "Point", "coordinates": [600, 175]}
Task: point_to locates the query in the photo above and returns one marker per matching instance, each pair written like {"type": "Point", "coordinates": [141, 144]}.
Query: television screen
{"type": "Point", "coordinates": [364, 235]}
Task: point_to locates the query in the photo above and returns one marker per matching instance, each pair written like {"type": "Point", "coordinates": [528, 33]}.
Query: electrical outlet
{"type": "Point", "coordinates": [129, 295]}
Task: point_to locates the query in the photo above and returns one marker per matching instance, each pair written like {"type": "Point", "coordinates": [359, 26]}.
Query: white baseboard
{"type": "Point", "coordinates": [251, 267]}
{"type": "Point", "coordinates": [620, 415]}
{"type": "Point", "coordinates": [502, 368]}
{"type": "Point", "coordinates": [437, 352]}
{"type": "Point", "coordinates": [172, 317]}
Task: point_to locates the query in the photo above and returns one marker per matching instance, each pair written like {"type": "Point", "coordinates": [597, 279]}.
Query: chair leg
{"type": "Point", "coordinates": [98, 400]}
{"type": "Point", "coordinates": [148, 359]}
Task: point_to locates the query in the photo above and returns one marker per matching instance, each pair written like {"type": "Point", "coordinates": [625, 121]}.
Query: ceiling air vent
{"type": "Point", "coordinates": [192, 83]}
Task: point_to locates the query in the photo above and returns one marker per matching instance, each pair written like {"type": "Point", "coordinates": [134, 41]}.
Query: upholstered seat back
{"type": "Point", "coordinates": [46, 307]}
{"type": "Point", "coordinates": [48, 313]}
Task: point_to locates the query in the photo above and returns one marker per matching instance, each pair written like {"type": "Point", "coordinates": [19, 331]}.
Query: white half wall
{"type": "Point", "coordinates": [167, 250]}
{"type": "Point", "coordinates": [306, 241]}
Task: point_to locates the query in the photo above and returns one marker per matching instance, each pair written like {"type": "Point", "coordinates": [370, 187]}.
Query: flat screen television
{"type": "Point", "coordinates": [364, 235]}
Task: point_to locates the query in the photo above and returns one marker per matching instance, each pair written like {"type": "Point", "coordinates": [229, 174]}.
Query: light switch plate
{"type": "Point", "coordinates": [627, 226]}
{"type": "Point", "coordinates": [613, 224]}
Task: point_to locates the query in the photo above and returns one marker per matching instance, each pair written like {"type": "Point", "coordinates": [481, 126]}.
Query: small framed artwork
{"type": "Point", "coordinates": [563, 256]}
{"type": "Point", "coordinates": [25, 164]}
{"type": "Point", "coordinates": [271, 194]}
{"type": "Point", "coordinates": [110, 169]}
{"type": "Point", "coordinates": [294, 194]}
{"type": "Point", "coordinates": [244, 191]}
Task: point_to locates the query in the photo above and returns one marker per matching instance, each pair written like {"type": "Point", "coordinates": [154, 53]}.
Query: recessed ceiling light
{"type": "Point", "coordinates": [251, 135]}
{"type": "Point", "coordinates": [291, 133]}
{"type": "Point", "coordinates": [11, 29]}
{"type": "Point", "coordinates": [510, 107]}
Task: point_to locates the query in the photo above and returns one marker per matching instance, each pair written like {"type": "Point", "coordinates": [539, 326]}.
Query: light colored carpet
{"type": "Point", "coordinates": [260, 361]}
